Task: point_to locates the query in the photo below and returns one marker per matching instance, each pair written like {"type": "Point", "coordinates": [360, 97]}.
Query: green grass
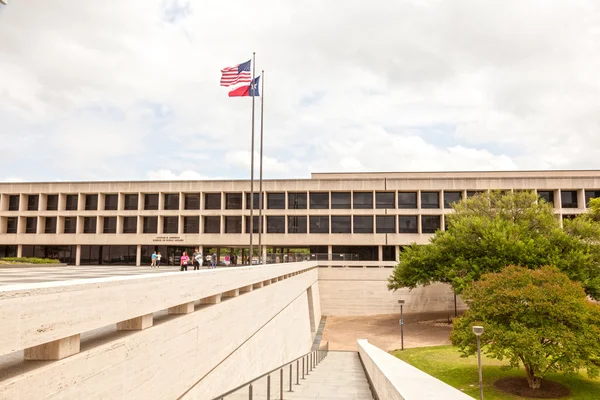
{"type": "Point", "coordinates": [445, 363]}
{"type": "Point", "coordinates": [27, 260]}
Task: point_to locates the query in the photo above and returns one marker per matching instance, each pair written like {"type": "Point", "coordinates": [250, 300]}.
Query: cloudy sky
{"type": "Point", "coordinates": [129, 89]}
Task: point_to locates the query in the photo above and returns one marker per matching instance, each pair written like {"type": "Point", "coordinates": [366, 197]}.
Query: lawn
{"type": "Point", "coordinates": [445, 363]}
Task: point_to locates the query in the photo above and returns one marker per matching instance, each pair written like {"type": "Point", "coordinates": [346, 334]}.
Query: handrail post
{"type": "Point", "coordinates": [297, 372]}
{"type": "Point", "coordinates": [307, 365]}
{"type": "Point", "coordinates": [281, 384]}
{"type": "Point", "coordinates": [302, 367]}
{"type": "Point", "coordinates": [310, 358]}
{"type": "Point", "coordinates": [268, 387]}
{"type": "Point", "coordinates": [250, 392]}
{"type": "Point", "coordinates": [290, 377]}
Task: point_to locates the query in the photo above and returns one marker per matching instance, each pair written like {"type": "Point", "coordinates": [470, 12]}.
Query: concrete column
{"type": "Point", "coordinates": [180, 224]}
{"type": "Point", "coordinates": [78, 255]}
{"type": "Point", "coordinates": [161, 201]}
{"type": "Point", "coordinates": [62, 200]}
{"type": "Point", "coordinates": [258, 285]}
{"type": "Point", "coordinates": [246, 289]}
{"type": "Point", "coordinates": [380, 253]}
{"type": "Point", "coordinates": [419, 224]}
{"type": "Point", "coordinates": [186, 308]}
{"type": "Point", "coordinates": [119, 225]}
{"type": "Point", "coordinates": [56, 350]}
{"type": "Point", "coordinates": [136, 324]}
{"type": "Point", "coordinates": [160, 225]}
{"type": "Point", "coordinates": [443, 222]}
{"type": "Point", "coordinates": [121, 201]}
{"type": "Point", "coordinates": [329, 252]}
{"type": "Point", "coordinates": [138, 255]}
{"type": "Point", "coordinates": [231, 293]}
{"type": "Point", "coordinates": [581, 199]}
{"type": "Point", "coordinates": [19, 250]}
{"type": "Point", "coordinates": [40, 225]}
{"type": "Point", "coordinates": [264, 254]}
{"type": "Point", "coordinates": [211, 299]}
{"type": "Point", "coordinates": [181, 201]}
{"type": "Point", "coordinates": [397, 253]}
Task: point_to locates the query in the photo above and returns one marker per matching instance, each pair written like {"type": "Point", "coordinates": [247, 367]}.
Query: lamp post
{"type": "Point", "coordinates": [478, 331]}
{"type": "Point", "coordinates": [401, 302]}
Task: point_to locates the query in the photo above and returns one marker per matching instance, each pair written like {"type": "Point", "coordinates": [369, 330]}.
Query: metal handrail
{"type": "Point", "coordinates": [313, 358]}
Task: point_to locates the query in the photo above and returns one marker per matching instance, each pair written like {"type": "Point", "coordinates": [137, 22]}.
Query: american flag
{"type": "Point", "coordinates": [237, 74]}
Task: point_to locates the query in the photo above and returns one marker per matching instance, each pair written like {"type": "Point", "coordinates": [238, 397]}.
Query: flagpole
{"type": "Point", "coordinates": [260, 189]}
{"type": "Point", "coordinates": [252, 165]}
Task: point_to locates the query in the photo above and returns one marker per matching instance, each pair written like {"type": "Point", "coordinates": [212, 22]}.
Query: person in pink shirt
{"type": "Point", "coordinates": [184, 260]}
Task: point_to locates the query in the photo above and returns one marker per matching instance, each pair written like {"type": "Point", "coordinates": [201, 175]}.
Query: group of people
{"type": "Point", "coordinates": [197, 260]}
{"type": "Point", "coordinates": [155, 260]}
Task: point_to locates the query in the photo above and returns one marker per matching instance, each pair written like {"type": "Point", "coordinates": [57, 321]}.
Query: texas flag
{"type": "Point", "coordinates": [246, 90]}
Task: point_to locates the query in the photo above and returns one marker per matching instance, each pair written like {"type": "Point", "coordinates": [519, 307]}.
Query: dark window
{"type": "Point", "coordinates": [362, 200]}
{"type": "Point", "coordinates": [191, 224]}
{"type": "Point", "coordinates": [70, 225]}
{"type": "Point", "coordinates": [297, 224]}
{"type": "Point", "coordinates": [275, 224]}
{"type": "Point", "coordinates": [386, 224]}
{"type": "Point", "coordinates": [568, 198]}
{"type": "Point", "coordinates": [319, 200]}
{"type": "Point", "coordinates": [256, 201]}
{"type": "Point", "coordinates": [52, 202]}
{"type": "Point", "coordinates": [471, 193]}
{"type": "Point", "coordinates": [31, 225]}
{"type": "Point", "coordinates": [547, 195]}
{"type": "Point", "coordinates": [255, 222]}
{"type": "Point", "coordinates": [384, 200]}
{"type": "Point", "coordinates": [129, 224]}
{"type": "Point", "coordinates": [430, 223]}
{"type": "Point", "coordinates": [296, 201]}
{"type": "Point", "coordinates": [150, 224]}
{"type": "Point", "coordinates": [341, 200]}
{"type": "Point", "coordinates": [341, 224]}
{"type": "Point", "coordinates": [110, 225]}
{"type": "Point", "coordinates": [13, 202]}
{"type": "Point", "coordinates": [407, 224]}
{"type": "Point", "coordinates": [111, 201]}
{"type": "Point", "coordinates": [33, 202]}
{"type": "Point", "coordinates": [12, 223]}
{"type": "Point", "coordinates": [389, 253]}
{"type": "Point", "coordinates": [233, 201]}
{"type": "Point", "coordinates": [407, 199]}
{"type": "Point", "coordinates": [191, 201]}
{"type": "Point", "coordinates": [430, 200]}
{"type": "Point", "coordinates": [363, 224]}
{"type": "Point", "coordinates": [50, 225]}
{"type": "Point", "coordinates": [591, 194]}
{"type": "Point", "coordinates": [319, 224]}
{"type": "Point", "coordinates": [212, 224]}
{"type": "Point", "coordinates": [91, 201]}
{"type": "Point", "coordinates": [451, 198]}
{"type": "Point", "coordinates": [172, 201]}
{"type": "Point", "coordinates": [151, 201]}
{"type": "Point", "coordinates": [131, 201]}
{"type": "Point", "coordinates": [71, 203]}
{"type": "Point", "coordinates": [276, 201]}
{"type": "Point", "coordinates": [170, 224]}
{"type": "Point", "coordinates": [89, 225]}
{"type": "Point", "coordinates": [569, 216]}
{"type": "Point", "coordinates": [233, 224]}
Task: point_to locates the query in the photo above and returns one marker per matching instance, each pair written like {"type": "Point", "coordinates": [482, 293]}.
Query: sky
{"type": "Point", "coordinates": [129, 89]}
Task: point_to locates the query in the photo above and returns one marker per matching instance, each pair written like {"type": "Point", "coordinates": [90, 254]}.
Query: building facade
{"type": "Point", "coordinates": [332, 216]}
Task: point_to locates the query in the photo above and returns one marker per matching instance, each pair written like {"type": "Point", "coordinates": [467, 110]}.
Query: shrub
{"type": "Point", "coordinates": [29, 260]}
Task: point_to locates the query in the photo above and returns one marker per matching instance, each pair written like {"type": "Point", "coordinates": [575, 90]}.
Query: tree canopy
{"type": "Point", "coordinates": [492, 230]}
{"type": "Point", "coordinates": [538, 318]}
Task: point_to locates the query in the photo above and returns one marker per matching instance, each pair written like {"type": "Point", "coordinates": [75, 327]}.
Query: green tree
{"type": "Point", "coordinates": [537, 318]}
{"type": "Point", "coordinates": [492, 230]}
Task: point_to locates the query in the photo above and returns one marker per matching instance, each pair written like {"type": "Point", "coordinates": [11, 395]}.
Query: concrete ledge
{"type": "Point", "coordinates": [393, 379]}
{"type": "Point", "coordinates": [24, 265]}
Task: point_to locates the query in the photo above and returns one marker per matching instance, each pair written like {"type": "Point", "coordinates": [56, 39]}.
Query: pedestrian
{"type": "Point", "coordinates": [214, 260]}
{"type": "Point", "coordinates": [195, 259]}
{"type": "Point", "coordinates": [153, 263]}
{"type": "Point", "coordinates": [158, 256]}
{"type": "Point", "coordinates": [233, 259]}
{"type": "Point", "coordinates": [184, 261]}
{"type": "Point", "coordinates": [208, 260]}
{"type": "Point", "coordinates": [198, 258]}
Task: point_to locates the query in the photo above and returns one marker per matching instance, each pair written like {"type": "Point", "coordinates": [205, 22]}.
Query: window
{"type": "Point", "coordinates": [12, 223]}
{"type": "Point", "coordinates": [52, 202]}
{"type": "Point", "coordinates": [385, 224]}
{"type": "Point", "coordinates": [255, 222]}
{"type": "Point", "coordinates": [389, 253]}
{"type": "Point", "coordinates": [50, 225]}
{"type": "Point", "coordinates": [407, 199]}
{"type": "Point", "coordinates": [233, 224]}
{"type": "Point", "coordinates": [276, 224]}
{"type": "Point", "coordinates": [111, 201]}
{"type": "Point", "coordinates": [33, 201]}
{"type": "Point", "coordinates": [31, 225]}
{"type": "Point", "coordinates": [430, 223]}
{"type": "Point", "coordinates": [341, 224]}
{"type": "Point", "coordinates": [385, 200]}
{"type": "Point", "coordinates": [568, 198]}
{"type": "Point", "coordinates": [407, 224]}
{"type": "Point", "coordinates": [430, 200]}
{"type": "Point", "coordinates": [131, 201]}
{"type": "Point", "coordinates": [319, 200]}
{"type": "Point", "coordinates": [547, 195]}
{"type": "Point", "coordinates": [233, 201]}
{"type": "Point", "coordinates": [319, 224]}
{"type": "Point", "coordinates": [150, 225]}
{"type": "Point", "coordinates": [363, 224]}
{"type": "Point", "coordinates": [13, 202]}
{"type": "Point", "coordinates": [91, 202]}
{"type": "Point", "coordinates": [341, 200]}
{"type": "Point", "coordinates": [297, 224]}
{"type": "Point", "coordinates": [471, 193]}
{"type": "Point", "coordinates": [70, 225]}
{"type": "Point", "coordinates": [191, 201]}
{"type": "Point", "coordinates": [110, 225]}
{"type": "Point", "coordinates": [451, 198]}
{"type": "Point", "coordinates": [129, 224]}
{"type": "Point", "coordinates": [89, 225]}
{"type": "Point", "coordinates": [191, 224]}
{"type": "Point", "coordinates": [276, 201]}
{"type": "Point", "coordinates": [212, 224]}
{"type": "Point", "coordinates": [170, 224]}
{"type": "Point", "coordinates": [362, 200]}
{"type": "Point", "coordinates": [71, 203]}
{"type": "Point", "coordinates": [256, 201]}
{"type": "Point", "coordinates": [172, 201]}
{"type": "Point", "coordinates": [151, 201]}
{"type": "Point", "coordinates": [591, 194]}
{"type": "Point", "coordinates": [297, 201]}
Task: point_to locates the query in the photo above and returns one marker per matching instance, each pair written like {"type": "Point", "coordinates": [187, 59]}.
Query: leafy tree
{"type": "Point", "coordinates": [538, 318]}
{"type": "Point", "coordinates": [492, 230]}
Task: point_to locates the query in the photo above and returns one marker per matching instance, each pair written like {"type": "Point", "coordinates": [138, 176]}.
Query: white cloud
{"type": "Point", "coordinates": [168, 175]}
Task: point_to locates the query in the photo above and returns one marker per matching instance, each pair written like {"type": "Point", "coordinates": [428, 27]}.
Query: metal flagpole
{"type": "Point", "coordinates": [260, 189]}
{"type": "Point", "coordinates": [252, 165]}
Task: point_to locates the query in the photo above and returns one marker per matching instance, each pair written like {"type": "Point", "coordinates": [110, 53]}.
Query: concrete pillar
{"type": "Point", "coordinates": [19, 250]}
{"type": "Point", "coordinates": [329, 252]}
{"type": "Point", "coordinates": [380, 253]}
{"type": "Point", "coordinates": [232, 293]}
{"type": "Point", "coordinates": [397, 253]}
{"type": "Point", "coordinates": [264, 254]}
{"type": "Point", "coordinates": [186, 308]}
{"type": "Point", "coordinates": [136, 324]}
{"type": "Point", "coordinates": [78, 254]}
{"type": "Point", "coordinates": [267, 282]}
{"type": "Point", "coordinates": [138, 255]}
{"type": "Point", "coordinates": [211, 299]}
{"type": "Point", "coordinates": [246, 289]}
{"type": "Point", "coordinates": [56, 350]}
{"type": "Point", "coordinates": [257, 285]}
